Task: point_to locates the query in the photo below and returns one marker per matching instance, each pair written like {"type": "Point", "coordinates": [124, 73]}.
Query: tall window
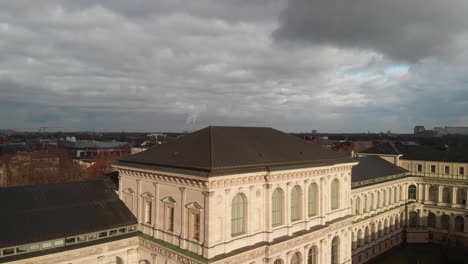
{"type": "Point", "coordinates": [277, 212]}
{"type": "Point", "coordinates": [413, 219]}
{"type": "Point", "coordinates": [239, 214]}
{"type": "Point", "coordinates": [461, 196]}
{"type": "Point", "coordinates": [412, 192]}
{"type": "Point", "coordinates": [461, 171]}
{"type": "Point", "coordinates": [446, 169]}
{"type": "Point", "coordinates": [312, 255]}
{"type": "Point", "coordinates": [446, 197]}
{"type": "Point", "coordinates": [434, 193]}
{"type": "Point", "coordinates": [335, 194]}
{"type": "Point", "coordinates": [372, 201]}
{"type": "Point", "coordinates": [296, 258]}
{"type": "Point", "coordinates": [364, 206]}
{"type": "Point", "coordinates": [459, 224]}
{"type": "Point", "coordinates": [335, 250]}
{"type": "Point", "coordinates": [296, 203]}
{"type": "Point", "coordinates": [148, 211]}
{"type": "Point", "coordinates": [169, 221]}
{"type": "Point", "coordinates": [433, 168]}
{"type": "Point", "coordinates": [313, 199]}
{"type": "Point", "coordinates": [431, 220]}
{"type": "Point", "coordinates": [194, 225]}
{"type": "Point", "coordinates": [419, 168]}
{"type": "Point", "coordinates": [278, 261]}
{"type": "Point", "coordinates": [445, 222]}
{"type": "Point", "coordinates": [357, 206]}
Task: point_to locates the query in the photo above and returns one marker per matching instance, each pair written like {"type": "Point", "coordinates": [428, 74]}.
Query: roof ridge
{"type": "Point", "coordinates": [394, 147]}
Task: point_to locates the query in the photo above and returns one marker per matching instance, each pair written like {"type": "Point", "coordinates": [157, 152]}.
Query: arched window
{"type": "Point", "coordinates": [412, 192]}
{"type": "Point", "coordinates": [446, 197]}
{"type": "Point", "coordinates": [433, 193]}
{"type": "Point", "coordinates": [364, 206]}
{"type": "Point", "coordinates": [461, 196]}
{"type": "Point", "coordinates": [386, 226]}
{"type": "Point", "coordinates": [277, 212]}
{"type": "Point", "coordinates": [380, 229]}
{"type": "Point", "coordinates": [296, 258]}
{"type": "Point", "coordinates": [278, 261]}
{"type": "Point", "coordinates": [413, 219]}
{"type": "Point", "coordinates": [119, 260]}
{"type": "Point", "coordinates": [357, 206]}
{"type": "Point", "coordinates": [384, 197]}
{"type": "Point", "coordinates": [239, 214]}
{"type": "Point", "coordinates": [459, 224]}
{"type": "Point", "coordinates": [335, 194]}
{"type": "Point", "coordinates": [359, 238]}
{"type": "Point", "coordinates": [431, 220]}
{"type": "Point", "coordinates": [367, 238]}
{"type": "Point", "coordinates": [372, 201]}
{"type": "Point", "coordinates": [402, 219]}
{"type": "Point", "coordinates": [335, 250]}
{"type": "Point", "coordinates": [445, 222]}
{"type": "Point", "coordinates": [392, 224]}
{"type": "Point", "coordinates": [313, 200]}
{"type": "Point", "coordinates": [312, 255]}
{"type": "Point", "coordinates": [296, 203]}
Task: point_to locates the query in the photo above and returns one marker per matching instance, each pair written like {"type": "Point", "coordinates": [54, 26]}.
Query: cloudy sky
{"type": "Point", "coordinates": [173, 65]}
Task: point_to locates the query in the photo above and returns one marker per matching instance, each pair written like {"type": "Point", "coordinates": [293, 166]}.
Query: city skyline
{"type": "Point", "coordinates": [293, 65]}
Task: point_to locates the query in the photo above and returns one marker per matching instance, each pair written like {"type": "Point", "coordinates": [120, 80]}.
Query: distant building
{"type": "Point", "coordinates": [419, 129]}
{"type": "Point", "coordinates": [452, 131]}
{"type": "Point", "coordinates": [90, 151]}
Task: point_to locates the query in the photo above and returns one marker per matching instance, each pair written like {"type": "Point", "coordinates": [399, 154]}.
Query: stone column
{"type": "Point", "coordinates": [421, 193]}
{"type": "Point", "coordinates": [441, 188]}
{"type": "Point", "coordinates": [466, 198]}
{"type": "Point", "coordinates": [227, 215]}
{"type": "Point", "coordinates": [267, 207]}
{"type": "Point", "coordinates": [426, 192]}
{"type": "Point", "coordinates": [322, 199]}
{"type": "Point", "coordinates": [183, 218]}
{"type": "Point", "coordinates": [305, 202]}
{"type": "Point", "coordinates": [454, 197]}
{"type": "Point", "coordinates": [139, 212]}
{"type": "Point", "coordinates": [250, 211]}
{"type": "Point", "coordinates": [156, 209]}
{"type": "Point", "coordinates": [288, 206]}
{"type": "Point", "coordinates": [205, 221]}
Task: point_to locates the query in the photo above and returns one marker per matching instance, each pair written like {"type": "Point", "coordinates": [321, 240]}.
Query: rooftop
{"type": "Point", "coordinates": [451, 153]}
{"type": "Point", "coordinates": [373, 167]}
{"type": "Point", "coordinates": [43, 212]}
{"type": "Point", "coordinates": [220, 150]}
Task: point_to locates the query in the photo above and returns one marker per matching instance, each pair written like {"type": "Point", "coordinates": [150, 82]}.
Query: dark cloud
{"type": "Point", "coordinates": [402, 29]}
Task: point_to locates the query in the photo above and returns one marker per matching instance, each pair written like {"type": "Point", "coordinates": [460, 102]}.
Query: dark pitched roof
{"type": "Point", "coordinates": [216, 150]}
{"type": "Point", "coordinates": [383, 148]}
{"type": "Point", "coordinates": [372, 167]}
{"type": "Point", "coordinates": [453, 153]}
{"type": "Point", "coordinates": [42, 212]}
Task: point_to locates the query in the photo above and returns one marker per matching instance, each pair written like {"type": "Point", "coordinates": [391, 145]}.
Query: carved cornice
{"type": "Point", "coordinates": [167, 253]}
{"type": "Point", "coordinates": [165, 178]}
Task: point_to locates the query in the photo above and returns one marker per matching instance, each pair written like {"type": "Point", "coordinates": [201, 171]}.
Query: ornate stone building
{"type": "Point", "coordinates": [252, 195]}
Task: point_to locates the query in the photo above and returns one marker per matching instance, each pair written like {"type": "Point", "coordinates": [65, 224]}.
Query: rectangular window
{"type": "Point", "coordinates": [59, 243]}
{"type": "Point", "coordinates": [419, 167]}
{"type": "Point", "coordinates": [80, 238]}
{"type": "Point", "coordinates": [8, 251]}
{"type": "Point", "coordinates": [461, 171]}
{"type": "Point", "coordinates": [132, 228]}
{"type": "Point", "coordinates": [112, 232]}
{"type": "Point", "coordinates": [195, 225]}
{"type": "Point", "coordinates": [433, 168]}
{"type": "Point", "coordinates": [148, 211]}
{"type": "Point", "coordinates": [70, 240]}
{"type": "Point", "coordinates": [34, 247]}
{"type": "Point", "coordinates": [46, 245]}
{"type": "Point", "coordinates": [122, 230]}
{"type": "Point", "coordinates": [446, 169]}
{"type": "Point", "coordinates": [22, 249]}
{"type": "Point", "coordinates": [102, 234]}
{"type": "Point", "coordinates": [92, 236]}
{"type": "Point", "coordinates": [170, 218]}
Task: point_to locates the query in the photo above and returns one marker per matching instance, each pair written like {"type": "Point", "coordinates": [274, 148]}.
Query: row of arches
{"type": "Point", "coordinates": [278, 204]}
{"type": "Point", "coordinates": [447, 195]}
{"type": "Point", "coordinates": [371, 201]}
{"type": "Point", "coordinates": [313, 255]}
{"type": "Point", "coordinates": [376, 230]}
{"type": "Point", "coordinates": [432, 221]}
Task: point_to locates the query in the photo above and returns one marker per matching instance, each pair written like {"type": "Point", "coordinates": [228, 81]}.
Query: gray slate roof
{"type": "Point", "coordinates": [454, 153]}
{"type": "Point", "coordinates": [42, 212]}
{"type": "Point", "coordinates": [373, 167]}
{"type": "Point", "coordinates": [219, 150]}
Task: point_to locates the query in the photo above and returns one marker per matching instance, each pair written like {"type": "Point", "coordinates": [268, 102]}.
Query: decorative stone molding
{"type": "Point", "coordinates": [167, 253]}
